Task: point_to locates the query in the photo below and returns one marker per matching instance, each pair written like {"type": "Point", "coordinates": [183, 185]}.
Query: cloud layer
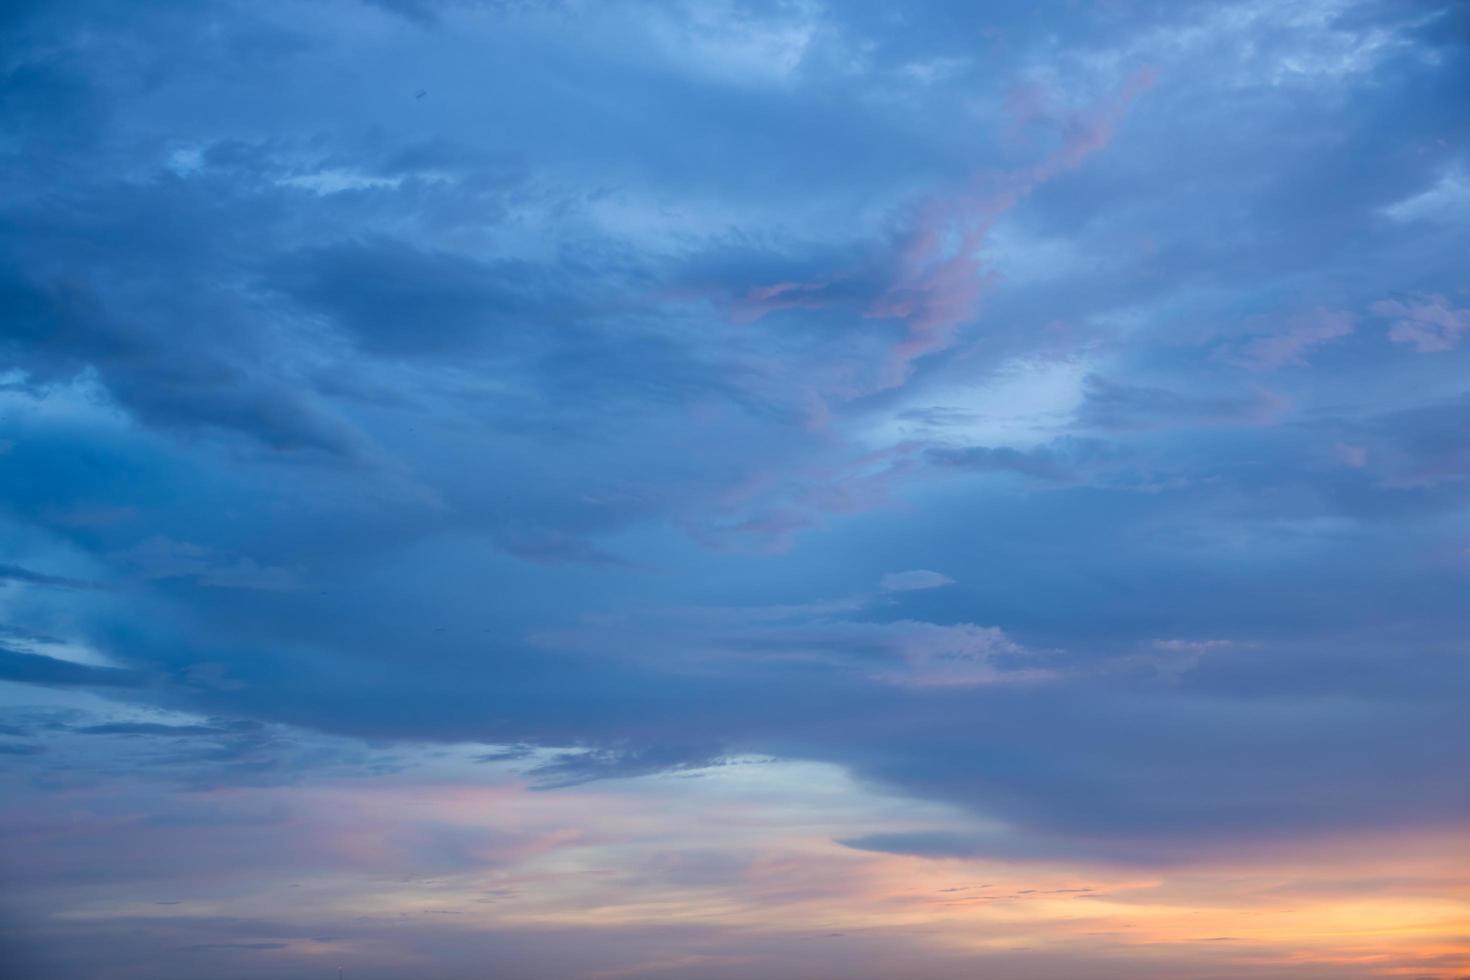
{"type": "Point", "coordinates": [1040, 433]}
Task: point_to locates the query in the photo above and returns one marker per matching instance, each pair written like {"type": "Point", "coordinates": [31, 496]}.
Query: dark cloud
{"type": "Point", "coordinates": [984, 459]}
{"type": "Point", "coordinates": [553, 546]}
{"type": "Point", "coordinates": [26, 576]}
{"type": "Point", "coordinates": [396, 299]}
{"type": "Point", "coordinates": [34, 668]}
{"type": "Point", "coordinates": [1121, 407]}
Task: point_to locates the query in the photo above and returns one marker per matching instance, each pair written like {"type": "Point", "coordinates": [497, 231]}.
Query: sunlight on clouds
{"type": "Point", "coordinates": [746, 848]}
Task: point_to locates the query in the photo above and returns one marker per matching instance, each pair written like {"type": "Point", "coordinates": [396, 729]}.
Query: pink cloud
{"type": "Point", "coordinates": [1303, 332]}
{"type": "Point", "coordinates": [1426, 322]}
{"type": "Point", "coordinates": [940, 275]}
{"type": "Point", "coordinates": [933, 285]}
{"type": "Point", "coordinates": [1350, 455]}
{"type": "Point", "coordinates": [761, 301]}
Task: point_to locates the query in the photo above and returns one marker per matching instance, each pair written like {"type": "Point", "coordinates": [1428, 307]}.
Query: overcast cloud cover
{"type": "Point", "coordinates": [645, 489]}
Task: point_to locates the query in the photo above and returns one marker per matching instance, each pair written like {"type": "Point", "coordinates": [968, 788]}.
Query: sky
{"type": "Point", "coordinates": [712, 489]}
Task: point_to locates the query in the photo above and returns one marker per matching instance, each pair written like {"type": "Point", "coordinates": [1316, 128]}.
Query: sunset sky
{"type": "Point", "coordinates": [723, 489]}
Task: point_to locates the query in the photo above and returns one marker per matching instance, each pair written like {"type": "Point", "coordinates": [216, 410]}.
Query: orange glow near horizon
{"type": "Point", "coordinates": [715, 854]}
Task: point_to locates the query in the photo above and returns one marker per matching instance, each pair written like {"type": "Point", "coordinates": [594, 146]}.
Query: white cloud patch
{"type": "Point", "coordinates": [1446, 200]}
{"type": "Point", "coordinates": [723, 40]}
{"type": "Point", "coordinates": [914, 580]}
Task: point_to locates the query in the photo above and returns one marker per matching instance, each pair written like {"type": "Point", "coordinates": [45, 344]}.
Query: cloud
{"type": "Point", "coordinates": [1302, 333]}
{"type": "Point", "coordinates": [1428, 323]}
{"type": "Point", "coordinates": [1039, 464]}
{"type": "Point", "coordinates": [574, 768]}
{"type": "Point", "coordinates": [26, 576]}
{"type": "Point", "coordinates": [551, 546]}
{"type": "Point", "coordinates": [942, 275]}
{"type": "Point", "coordinates": [61, 330]}
{"type": "Point", "coordinates": [938, 274]}
{"type": "Point", "coordinates": [150, 728]}
{"type": "Point", "coordinates": [824, 639]}
{"type": "Point", "coordinates": [1113, 406]}
{"type": "Point", "coordinates": [398, 300]}
{"type": "Point", "coordinates": [35, 668]}
{"type": "Point", "coordinates": [210, 947]}
{"type": "Point", "coordinates": [246, 574]}
{"type": "Point", "coordinates": [914, 580]}
{"type": "Point", "coordinates": [161, 557]}
{"type": "Point", "coordinates": [578, 406]}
